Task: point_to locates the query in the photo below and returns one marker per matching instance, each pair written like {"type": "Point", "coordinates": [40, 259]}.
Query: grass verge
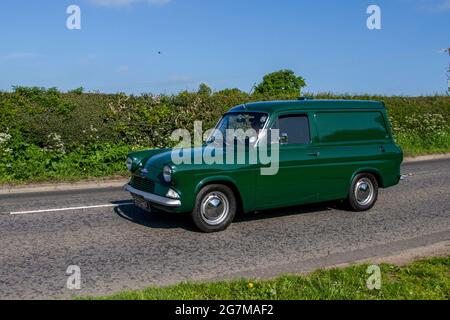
{"type": "Point", "coordinates": [425, 280]}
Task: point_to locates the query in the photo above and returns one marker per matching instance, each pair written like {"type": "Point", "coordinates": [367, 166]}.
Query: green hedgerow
{"type": "Point", "coordinates": [46, 134]}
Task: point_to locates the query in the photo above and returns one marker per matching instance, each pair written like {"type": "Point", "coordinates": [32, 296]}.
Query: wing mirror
{"type": "Point", "coordinates": [212, 139]}
{"type": "Point", "coordinates": [284, 139]}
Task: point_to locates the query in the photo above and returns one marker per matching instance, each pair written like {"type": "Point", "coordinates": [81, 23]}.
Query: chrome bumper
{"type": "Point", "coordinates": [166, 202]}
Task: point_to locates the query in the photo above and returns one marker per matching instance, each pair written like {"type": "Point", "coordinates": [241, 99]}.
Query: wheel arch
{"type": "Point", "coordinates": [375, 172]}
{"type": "Point", "coordinates": [226, 181]}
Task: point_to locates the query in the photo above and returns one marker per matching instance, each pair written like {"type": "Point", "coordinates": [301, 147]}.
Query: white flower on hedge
{"type": "Point", "coordinates": [4, 138]}
{"type": "Point", "coordinates": [58, 145]}
{"type": "Point", "coordinates": [427, 123]}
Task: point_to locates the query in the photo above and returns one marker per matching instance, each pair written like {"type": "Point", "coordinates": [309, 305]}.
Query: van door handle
{"type": "Point", "coordinates": [382, 149]}
{"type": "Point", "coordinates": [314, 154]}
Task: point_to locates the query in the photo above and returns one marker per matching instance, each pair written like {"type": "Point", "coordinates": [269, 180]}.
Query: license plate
{"type": "Point", "coordinates": [141, 203]}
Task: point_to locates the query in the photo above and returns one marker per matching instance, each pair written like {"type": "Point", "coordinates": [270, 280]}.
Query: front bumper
{"type": "Point", "coordinates": [153, 198]}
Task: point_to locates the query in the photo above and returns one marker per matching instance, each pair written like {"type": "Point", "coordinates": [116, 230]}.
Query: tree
{"type": "Point", "coordinates": [231, 92]}
{"type": "Point", "coordinates": [281, 82]}
{"type": "Point", "coordinates": [79, 90]}
{"type": "Point", "coordinates": [203, 89]}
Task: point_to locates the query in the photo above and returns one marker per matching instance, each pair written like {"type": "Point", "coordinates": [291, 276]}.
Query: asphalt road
{"type": "Point", "coordinates": [121, 247]}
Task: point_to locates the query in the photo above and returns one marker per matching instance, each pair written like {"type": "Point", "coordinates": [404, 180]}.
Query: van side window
{"type": "Point", "coordinates": [294, 129]}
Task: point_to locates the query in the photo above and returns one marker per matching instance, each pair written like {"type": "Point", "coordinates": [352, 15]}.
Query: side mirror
{"type": "Point", "coordinates": [284, 139]}
{"type": "Point", "coordinates": [211, 139]}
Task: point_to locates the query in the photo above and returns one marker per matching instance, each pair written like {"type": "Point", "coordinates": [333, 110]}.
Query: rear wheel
{"type": "Point", "coordinates": [363, 192]}
{"type": "Point", "coordinates": [215, 208]}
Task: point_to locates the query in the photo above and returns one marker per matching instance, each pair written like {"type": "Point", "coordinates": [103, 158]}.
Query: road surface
{"type": "Point", "coordinates": [118, 246]}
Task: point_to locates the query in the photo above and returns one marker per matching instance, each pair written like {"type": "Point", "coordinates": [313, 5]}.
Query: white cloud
{"type": "Point", "coordinates": [445, 5]}
{"type": "Point", "coordinates": [435, 5]}
{"type": "Point", "coordinates": [121, 3]}
{"type": "Point", "coordinates": [20, 55]}
{"type": "Point", "coordinates": [123, 69]}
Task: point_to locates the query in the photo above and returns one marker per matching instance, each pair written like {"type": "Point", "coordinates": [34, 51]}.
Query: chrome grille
{"type": "Point", "coordinates": [142, 184]}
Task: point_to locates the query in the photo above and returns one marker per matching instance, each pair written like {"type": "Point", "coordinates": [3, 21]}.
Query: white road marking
{"type": "Point", "coordinates": [73, 208]}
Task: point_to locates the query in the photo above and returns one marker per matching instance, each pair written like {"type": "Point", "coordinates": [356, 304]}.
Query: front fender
{"type": "Point", "coordinates": [242, 199]}
{"type": "Point", "coordinates": [215, 180]}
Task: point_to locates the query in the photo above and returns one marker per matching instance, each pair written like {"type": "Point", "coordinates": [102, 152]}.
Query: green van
{"type": "Point", "coordinates": [327, 150]}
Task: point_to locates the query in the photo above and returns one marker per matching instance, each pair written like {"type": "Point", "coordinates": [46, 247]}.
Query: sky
{"type": "Point", "coordinates": [165, 46]}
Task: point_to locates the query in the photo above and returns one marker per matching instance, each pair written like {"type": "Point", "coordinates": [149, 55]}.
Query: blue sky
{"type": "Point", "coordinates": [226, 44]}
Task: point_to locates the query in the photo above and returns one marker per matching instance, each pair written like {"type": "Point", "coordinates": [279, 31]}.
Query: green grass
{"type": "Point", "coordinates": [31, 164]}
{"type": "Point", "coordinates": [427, 279]}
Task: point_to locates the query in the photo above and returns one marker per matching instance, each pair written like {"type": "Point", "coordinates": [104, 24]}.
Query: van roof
{"type": "Point", "coordinates": [273, 106]}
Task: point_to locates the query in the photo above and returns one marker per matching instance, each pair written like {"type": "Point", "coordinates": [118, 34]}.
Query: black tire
{"type": "Point", "coordinates": [214, 200]}
{"type": "Point", "coordinates": [363, 202]}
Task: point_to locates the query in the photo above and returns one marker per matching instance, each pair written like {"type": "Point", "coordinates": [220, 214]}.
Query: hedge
{"type": "Point", "coordinates": [46, 134]}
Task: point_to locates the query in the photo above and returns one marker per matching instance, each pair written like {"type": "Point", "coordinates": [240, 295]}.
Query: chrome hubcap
{"type": "Point", "coordinates": [364, 191]}
{"type": "Point", "coordinates": [214, 208]}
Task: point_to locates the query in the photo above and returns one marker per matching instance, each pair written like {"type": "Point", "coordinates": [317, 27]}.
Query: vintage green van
{"type": "Point", "coordinates": [328, 150]}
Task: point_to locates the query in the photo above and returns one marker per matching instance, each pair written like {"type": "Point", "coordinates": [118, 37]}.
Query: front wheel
{"type": "Point", "coordinates": [363, 192]}
{"type": "Point", "coordinates": [215, 208]}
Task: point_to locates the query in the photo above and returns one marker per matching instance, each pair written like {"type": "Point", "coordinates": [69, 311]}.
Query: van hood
{"type": "Point", "coordinates": [163, 158]}
{"type": "Point", "coordinates": [160, 160]}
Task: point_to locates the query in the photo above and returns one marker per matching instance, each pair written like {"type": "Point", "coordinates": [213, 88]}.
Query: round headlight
{"type": "Point", "coordinates": [167, 174]}
{"type": "Point", "coordinates": [129, 164]}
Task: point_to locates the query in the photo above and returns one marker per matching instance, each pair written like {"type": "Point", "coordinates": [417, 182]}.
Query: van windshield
{"type": "Point", "coordinates": [241, 122]}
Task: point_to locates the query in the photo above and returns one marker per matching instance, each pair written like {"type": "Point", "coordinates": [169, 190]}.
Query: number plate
{"type": "Point", "coordinates": [141, 203]}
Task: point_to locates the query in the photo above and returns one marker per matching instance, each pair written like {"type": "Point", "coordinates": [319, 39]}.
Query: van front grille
{"type": "Point", "coordinates": [142, 184]}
